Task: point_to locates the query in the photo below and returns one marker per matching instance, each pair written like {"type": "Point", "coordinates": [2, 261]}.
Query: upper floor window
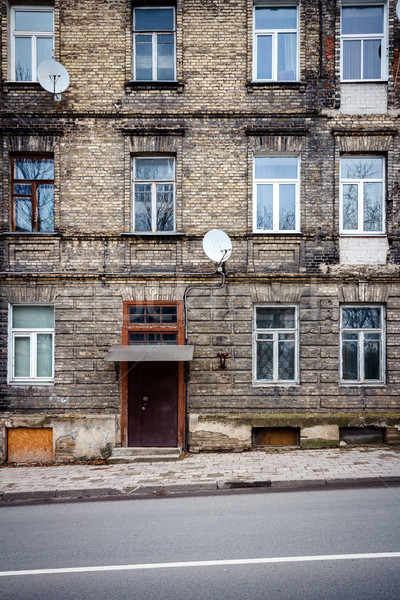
{"type": "Point", "coordinates": [31, 343]}
{"type": "Point", "coordinates": [154, 44]}
{"type": "Point", "coordinates": [32, 40]}
{"type": "Point", "coordinates": [275, 43]}
{"type": "Point", "coordinates": [362, 195]}
{"type": "Point", "coordinates": [153, 194]}
{"type": "Point", "coordinates": [32, 194]}
{"type": "Point", "coordinates": [364, 42]}
{"type": "Point", "coordinates": [276, 183]}
{"type": "Point", "coordinates": [275, 346]}
{"type": "Point", "coordinates": [362, 351]}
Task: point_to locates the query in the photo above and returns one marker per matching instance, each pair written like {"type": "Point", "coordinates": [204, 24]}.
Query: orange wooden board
{"type": "Point", "coordinates": [28, 444]}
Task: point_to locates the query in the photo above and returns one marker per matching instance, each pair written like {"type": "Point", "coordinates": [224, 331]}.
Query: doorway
{"type": "Point", "coordinates": [153, 404]}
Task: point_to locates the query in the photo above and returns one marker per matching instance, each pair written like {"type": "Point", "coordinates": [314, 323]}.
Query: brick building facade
{"type": "Point", "coordinates": [276, 122]}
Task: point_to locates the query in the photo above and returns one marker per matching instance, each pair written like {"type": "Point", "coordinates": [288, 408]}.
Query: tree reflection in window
{"type": "Point", "coordinates": [32, 194]}
{"type": "Point", "coordinates": [362, 194]}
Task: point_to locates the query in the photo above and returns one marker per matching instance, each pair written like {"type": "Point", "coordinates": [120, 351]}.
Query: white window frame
{"type": "Point", "coordinates": [367, 36]}
{"type": "Point", "coordinates": [153, 184]}
{"type": "Point", "coordinates": [276, 183]}
{"type": "Point", "coordinates": [154, 35]}
{"type": "Point", "coordinates": [360, 198]}
{"type": "Point", "coordinates": [276, 381]}
{"type": "Point", "coordinates": [31, 333]}
{"type": "Point", "coordinates": [32, 34]}
{"type": "Point", "coordinates": [274, 34]}
{"type": "Point", "coordinates": [361, 332]}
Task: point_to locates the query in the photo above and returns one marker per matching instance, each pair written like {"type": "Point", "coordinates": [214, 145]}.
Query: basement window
{"type": "Point", "coordinates": [363, 436]}
{"type": "Point", "coordinates": [275, 436]}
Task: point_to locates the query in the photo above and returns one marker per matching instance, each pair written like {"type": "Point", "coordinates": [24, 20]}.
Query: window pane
{"type": "Point", "coordinates": [169, 315]}
{"type": "Point", "coordinates": [287, 207]}
{"type": "Point", "coordinates": [136, 338]}
{"type": "Point", "coordinates": [275, 318]}
{"type": "Point", "coordinates": [23, 59]}
{"type": "Point", "coordinates": [168, 338]}
{"type": "Point", "coordinates": [142, 207]}
{"type": "Point", "coordinates": [23, 214]}
{"type": "Point", "coordinates": [287, 43]}
{"type": "Point", "coordinates": [32, 20]}
{"type": "Point", "coordinates": [33, 317]}
{"type": "Point", "coordinates": [143, 58]}
{"type": "Point", "coordinates": [357, 317]}
{"type": "Point", "coordinates": [22, 189]}
{"type": "Point", "coordinates": [44, 355]}
{"type": "Point", "coordinates": [265, 207]}
{"type": "Point", "coordinates": [165, 207]}
{"type": "Point", "coordinates": [22, 357]}
{"type": "Point", "coordinates": [154, 169]}
{"type": "Point", "coordinates": [361, 168]}
{"type": "Point", "coordinates": [351, 59]}
{"type": "Point", "coordinates": [34, 168]}
{"type": "Point", "coordinates": [282, 167]}
{"type": "Point", "coordinates": [44, 49]}
{"type": "Point", "coordinates": [165, 57]}
{"type": "Point", "coordinates": [153, 314]}
{"type": "Point", "coordinates": [372, 360]}
{"type": "Point", "coordinates": [153, 338]}
{"type": "Point", "coordinates": [45, 198]}
{"type": "Point", "coordinates": [372, 207]}
{"type": "Point", "coordinates": [362, 19]}
{"type": "Point", "coordinates": [264, 57]}
{"type": "Point", "coordinates": [136, 314]}
{"type": "Point", "coordinates": [350, 206]}
{"type": "Point", "coordinates": [286, 361]}
{"type": "Point", "coordinates": [350, 361]}
{"type": "Point", "coordinates": [158, 19]}
{"type": "Point", "coordinates": [265, 360]}
{"type": "Point", "coordinates": [276, 18]}
{"type": "Point", "coordinates": [372, 59]}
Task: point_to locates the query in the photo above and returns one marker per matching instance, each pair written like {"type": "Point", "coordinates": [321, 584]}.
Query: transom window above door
{"type": "Point", "coordinates": [32, 40]}
{"type": "Point", "coordinates": [276, 194]}
{"type": "Point", "coordinates": [275, 43]}
{"type": "Point", "coordinates": [153, 194]}
{"type": "Point", "coordinates": [153, 323]}
{"type": "Point", "coordinates": [154, 44]}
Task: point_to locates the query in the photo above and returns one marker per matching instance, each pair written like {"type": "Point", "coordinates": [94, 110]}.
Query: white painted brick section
{"type": "Point", "coordinates": [363, 98]}
{"type": "Point", "coordinates": [363, 251]}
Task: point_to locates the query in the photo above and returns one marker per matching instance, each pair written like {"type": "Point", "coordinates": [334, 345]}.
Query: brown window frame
{"type": "Point", "coordinates": [177, 328]}
{"type": "Point", "coordinates": [34, 201]}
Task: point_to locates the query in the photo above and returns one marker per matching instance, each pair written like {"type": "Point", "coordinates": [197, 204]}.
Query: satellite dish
{"type": "Point", "coordinates": [53, 77]}
{"type": "Point", "coordinates": [398, 10]}
{"type": "Point", "coordinates": [217, 245]}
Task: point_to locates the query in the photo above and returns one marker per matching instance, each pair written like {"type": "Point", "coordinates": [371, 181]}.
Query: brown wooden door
{"type": "Point", "coordinates": [153, 404]}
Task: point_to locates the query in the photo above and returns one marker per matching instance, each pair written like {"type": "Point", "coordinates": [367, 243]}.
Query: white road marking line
{"type": "Point", "coordinates": [203, 563]}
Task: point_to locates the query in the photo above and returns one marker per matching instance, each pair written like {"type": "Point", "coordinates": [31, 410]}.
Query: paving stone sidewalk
{"type": "Point", "coordinates": [204, 472]}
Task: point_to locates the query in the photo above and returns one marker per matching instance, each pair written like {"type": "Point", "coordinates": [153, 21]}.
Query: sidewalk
{"type": "Point", "coordinates": [204, 472]}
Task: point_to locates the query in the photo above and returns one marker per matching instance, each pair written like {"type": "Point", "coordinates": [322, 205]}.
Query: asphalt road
{"type": "Point", "coordinates": [335, 544]}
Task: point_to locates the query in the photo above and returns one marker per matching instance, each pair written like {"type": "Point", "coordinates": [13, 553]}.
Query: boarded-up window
{"type": "Point", "coordinates": [26, 444]}
{"type": "Point", "coordinates": [275, 436]}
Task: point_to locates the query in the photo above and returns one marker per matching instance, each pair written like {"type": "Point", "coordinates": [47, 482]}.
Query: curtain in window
{"type": "Point", "coordinates": [287, 56]}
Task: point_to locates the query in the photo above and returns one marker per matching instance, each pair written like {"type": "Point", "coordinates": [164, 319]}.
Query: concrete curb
{"type": "Point", "coordinates": [187, 488]}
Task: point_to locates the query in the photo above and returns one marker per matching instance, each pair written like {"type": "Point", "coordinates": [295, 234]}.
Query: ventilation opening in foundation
{"type": "Point", "coordinates": [362, 435]}
{"type": "Point", "coordinates": [276, 436]}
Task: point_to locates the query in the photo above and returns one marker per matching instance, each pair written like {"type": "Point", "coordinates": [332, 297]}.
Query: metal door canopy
{"type": "Point", "coordinates": [143, 352]}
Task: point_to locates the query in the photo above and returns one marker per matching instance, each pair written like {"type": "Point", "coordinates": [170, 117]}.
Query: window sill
{"type": "Point", "coordinates": [357, 81]}
{"type": "Point", "coordinates": [21, 85]}
{"type": "Point", "coordinates": [285, 384]}
{"type": "Point", "coordinates": [153, 234]}
{"type": "Point", "coordinates": [299, 85]}
{"type": "Point", "coordinates": [357, 384]}
{"type": "Point", "coordinates": [278, 233]}
{"type": "Point", "coordinates": [30, 234]}
{"type": "Point", "coordinates": [154, 85]}
{"type": "Point", "coordinates": [363, 235]}
{"type": "Point", "coordinates": [31, 382]}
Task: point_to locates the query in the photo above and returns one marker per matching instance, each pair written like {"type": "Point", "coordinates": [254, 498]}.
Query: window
{"type": "Point", "coordinates": [32, 193]}
{"type": "Point", "coordinates": [362, 195]}
{"type": "Point", "coordinates": [32, 40]}
{"type": "Point", "coordinates": [153, 323]}
{"type": "Point", "coordinates": [364, 45]}
{"type": "Point", "coordinates": [276, 206]}
{"type": "Point", "coordinates": [31, 343]}
{"type": "Point", "coordinates": [154, 44]}
{"type": "Point", "coordinates": [276, 344]}
{"type": "Point", "coordinates": [362, 352]}
{"type": "Point", "coordinates": [153, 184]}
{"type": "Point", "coordinates": [275, 43]}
